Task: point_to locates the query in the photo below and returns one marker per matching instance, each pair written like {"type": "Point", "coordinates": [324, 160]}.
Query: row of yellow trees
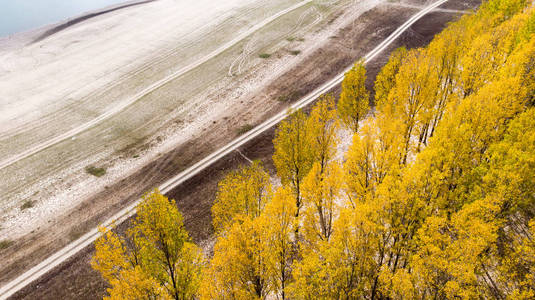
{"type": "Point", "coordinates": [435, 197]}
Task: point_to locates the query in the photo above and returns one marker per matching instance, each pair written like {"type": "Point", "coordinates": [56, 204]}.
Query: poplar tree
{"type": "Point", "coordinates": [321, 192]}
{"type": "Point", "coordinates": [386, 79]}
{"type": "Point", "coordinates": [241, 194]}
{"type": "Point", "coordinates": [155, 259]}
{"type": "Point", "coordinates": [323, 126]}
{"type": "Point", "coordinates": [294, 154]}
{"type": "Point", "coordinates": [354, 100]}
{"type": "Point", "coordinates": [238, 269]}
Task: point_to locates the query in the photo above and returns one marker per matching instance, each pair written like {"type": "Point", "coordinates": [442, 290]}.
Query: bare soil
{"type": "Point", "coordinates": [75, 279]}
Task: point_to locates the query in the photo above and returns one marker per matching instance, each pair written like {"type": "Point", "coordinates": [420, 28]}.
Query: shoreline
{"type": "Point", "coordinates": [30, 36]}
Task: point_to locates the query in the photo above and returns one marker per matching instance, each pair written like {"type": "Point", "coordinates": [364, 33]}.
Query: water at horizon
{"type": "Point", "coordinates": [23, 15]}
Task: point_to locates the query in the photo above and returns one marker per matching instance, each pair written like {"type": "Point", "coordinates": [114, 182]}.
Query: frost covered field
{"type": "Point", "coordinates": [107, 91]}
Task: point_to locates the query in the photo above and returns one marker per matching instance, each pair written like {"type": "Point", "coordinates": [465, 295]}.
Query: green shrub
{"type": "Point", "coordinates": [295, 52]}
{"type": "Point", "coordinates": [4, 244]}
{"type": "Point", "coordinates": [75, 233]}
{"type": "Point", "coordinates": [245, 128]}
{"type": "Point", "coordinates": [95, 171]}
{"type": "Point", "coordinates": [27, 204]}
{"type": "Point", "coordinates": [291, 96]}
{"type": "Point", "coordinates": [264, 55]}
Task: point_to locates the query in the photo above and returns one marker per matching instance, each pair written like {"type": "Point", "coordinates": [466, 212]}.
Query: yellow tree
{"type": "Point", "coordinates": [388, 147]}
{"type": "Point", "coordinates": [238, 269]}
{"type": "Point", "coordinates": [490, 52]}
{"type": "Point", "coordinates": [155, 259]}
{"type": "Point", "coordinates": [321, 194]}
{"type": "Point", "coordinates": [242, 193]}
{"type": "Point", "coordinates": [511, 165]}
{"type": "Point", "coordinates": [401, 207]}
{"type": "Point", "coordinates": [354, 99]}
{"type": "Point", "coordinates": [463, 138]}
{"type": "Point", "coordinates": [445, 51]}
{"type": "Point", "coordinates": [386, 79]}
{"type": "Point", "coordinates": [323, 126]}
{"type": "Point", "coordinates": [452, 254]}
{"type": "Point", "coordinates": [522, 66]}
{"type": "Point", "coordinates": [343, 267]}
{"type": "Point", "coordinates": [509, 178]}
{"type": "Point", "coordinates": [359, 166]}
{"type": "Point", "coordinates": [374, 154]}
{"type": "Point", "coordinates": [411, 99]}
{"type": "Point", "coordinates": [278, 223]}
{"type": "Point", "coordinates": [517, 267]}
{"type": "Point", "coordinates": [135, 284]}
{"type": "Point", "coordinates": [294, 153]}
{"type": "Point", "coordinates": [252, 259]}
{"type": "Point", "coordinates": [503, 8]}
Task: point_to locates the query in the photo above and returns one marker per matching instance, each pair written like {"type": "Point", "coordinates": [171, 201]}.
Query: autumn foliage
{"type": "Point", "coordinates": [155, 259]}
{"type": "Point", "coordinates": [433, 199]}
